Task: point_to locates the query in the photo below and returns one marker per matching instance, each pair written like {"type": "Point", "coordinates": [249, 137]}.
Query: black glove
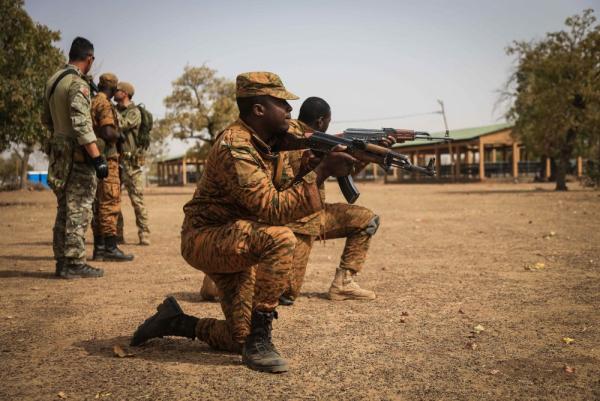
{"type": "Point", "coordinates": [101, 167]}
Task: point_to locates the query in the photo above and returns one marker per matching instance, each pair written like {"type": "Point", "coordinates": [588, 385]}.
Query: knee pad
{"type": "Point", "coordinates": [372, 227]}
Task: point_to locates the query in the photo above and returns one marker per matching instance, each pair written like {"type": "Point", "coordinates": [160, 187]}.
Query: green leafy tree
{"type": "Point", "coordinates": [201, 105]}
{"type": "Point", "coordinates": [27, 59]}
{"type": "Point", "coordinates": [555, 93]}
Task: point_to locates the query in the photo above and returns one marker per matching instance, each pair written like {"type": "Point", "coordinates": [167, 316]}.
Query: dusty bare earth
{"type": "Point", "coordinates": [447, 259]}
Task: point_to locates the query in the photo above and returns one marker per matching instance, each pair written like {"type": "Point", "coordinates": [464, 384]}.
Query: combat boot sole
{"type": "Point", "coordinates": [86, 271]}
{"type": "Point", "coordinates": [340, 296]}
{"type": "Point", "coordinates": [281, 367]}
{"type": "Point", "coordinates": [154, 326]}
{"type": "Point", "coordinates": [119, 258]}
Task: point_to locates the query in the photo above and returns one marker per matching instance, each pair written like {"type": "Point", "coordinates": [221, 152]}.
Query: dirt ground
{"type": "Point", "coordinates": [447, 258]}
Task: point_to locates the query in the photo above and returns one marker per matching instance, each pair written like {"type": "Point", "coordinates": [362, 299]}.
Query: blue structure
{"type": "Point", "coordinates": [38, 177]}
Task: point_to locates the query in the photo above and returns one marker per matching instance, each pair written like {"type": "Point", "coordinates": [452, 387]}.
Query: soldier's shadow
{"type": "Point", "coordinates": [187, 296]}
{"type": "Point", "coordinates": [31, 258]}
{"type": "Point", "coordinates": [321, 295]}
{"type": "Point", "coordinates": [33, 243]}
{"type": "Point", "coordinates": [162, 350]}
{"type": "Point", "coordinates": [30, 274]}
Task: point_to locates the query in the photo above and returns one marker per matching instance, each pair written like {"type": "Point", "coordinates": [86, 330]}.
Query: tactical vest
{"type": "Point", "coordinates": [59, 103]}
{"type": "Point", "coordinates": [131, 153]}
{"type": "Point", "coordinates": [63, 143]}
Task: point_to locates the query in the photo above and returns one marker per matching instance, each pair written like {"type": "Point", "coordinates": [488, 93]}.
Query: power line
{"type": "Point", "coordinates": [387, 118]}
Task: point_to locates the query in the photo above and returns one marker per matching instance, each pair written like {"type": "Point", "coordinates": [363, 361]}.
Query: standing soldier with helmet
{"type": "Point", "coordinates": [107, 205]}
{"type": "Point", "coordinates": [74, 159]}
{"type": "Point", "coordinates": [133, 157]}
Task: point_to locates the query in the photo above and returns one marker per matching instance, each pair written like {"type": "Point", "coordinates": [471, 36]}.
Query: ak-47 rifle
{"type": "Point", "coordinates": [360, 149]}
{"type": "Point", "coordinates": [400, 135]}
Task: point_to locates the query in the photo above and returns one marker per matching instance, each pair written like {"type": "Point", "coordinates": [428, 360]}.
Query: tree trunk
{"type": "Point", "coordinates": [563, 161]}
{"type": "Point", "coordinates": [24, 164]}
{"type": "Point", "coordinates": [561, 174]}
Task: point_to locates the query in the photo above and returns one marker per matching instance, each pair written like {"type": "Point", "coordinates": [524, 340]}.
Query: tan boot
{"type": "Point", "coordinates": [144, 238]}
{"type": "Point", "coordinates": [344, 287]}
{"type": "Point", "coordinates": [209, 291]}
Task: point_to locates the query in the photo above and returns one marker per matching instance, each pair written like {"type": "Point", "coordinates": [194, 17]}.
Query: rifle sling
{"type": "Point", "coordinates": [66, 72]}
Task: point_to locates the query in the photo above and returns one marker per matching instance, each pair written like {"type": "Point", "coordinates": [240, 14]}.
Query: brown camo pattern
{"type": "Point", "coordinates": [238, 184]}
{"type": "Point", "coordinates": [107, 205]}
{"type": "Point", "coordinates": [340, 220]}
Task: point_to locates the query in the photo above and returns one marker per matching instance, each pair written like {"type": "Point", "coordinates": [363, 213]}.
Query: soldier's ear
{"type": "Point", "coordinates": [258, 109]}
{"type": "Point", "coordinates": [320, 123]}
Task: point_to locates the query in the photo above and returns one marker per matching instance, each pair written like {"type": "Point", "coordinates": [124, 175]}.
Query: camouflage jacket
{"type": "Point", "coordinates": [238, 184]}
{"type": "Point", "coordinates": [311, 224]}
{"type": "Point", "coordinates": [130, 119]}
{"type": "Point", "coordinates": [103, 114]}
{"type": "Point", "coordinates": [66, 113]}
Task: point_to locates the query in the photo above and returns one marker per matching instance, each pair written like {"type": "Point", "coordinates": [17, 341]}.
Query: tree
{"type": "Point", "coordinates": [27, 59]}
{"type": "Point", "coordinates": [555, 93]}
{"type": "Point", "coordinates": [201, 104]}
{"type": "Point", "coordinates": [9, 171]}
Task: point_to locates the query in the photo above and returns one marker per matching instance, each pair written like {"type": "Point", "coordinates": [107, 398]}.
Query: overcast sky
{"type": "Point", "coordinates": [368, 59]}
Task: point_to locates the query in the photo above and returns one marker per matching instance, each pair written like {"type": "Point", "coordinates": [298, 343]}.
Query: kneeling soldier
{"type": "Point", "coordinates": [234, 229]}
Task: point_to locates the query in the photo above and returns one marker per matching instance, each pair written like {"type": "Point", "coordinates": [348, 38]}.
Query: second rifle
{"type": "Point", "coordinates": [360, 149]}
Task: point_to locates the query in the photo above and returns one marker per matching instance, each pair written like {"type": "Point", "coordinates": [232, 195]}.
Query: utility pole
{"type": "Point", "coordinates": [450, 153]}
{"type": "Point", "coordinates": [443, 113]}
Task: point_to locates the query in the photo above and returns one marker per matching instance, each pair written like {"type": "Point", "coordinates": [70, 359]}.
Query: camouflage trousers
{"type": "Point", "coordinates": [107, 205]}
{"type": "Point", "coordinates": [134, 183]}
{"type": "Point", "coordinates": [73, 214]}
{"type": "Point", "coordinates": [339, 220]}
{"type": "Point", "coordinates": [249, 263]}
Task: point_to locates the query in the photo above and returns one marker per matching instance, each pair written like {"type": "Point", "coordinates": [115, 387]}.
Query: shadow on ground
{"type": "Point", "coordinates": [150, 194]}
{"type": "Point", "coordinates": [30, 274]}
{"type": "Point", "coordinates": [34, 243]}
{"type": "Point", "coordinates": [26, 257]}
{"type": "Point", "coordinates": [544, 191]}
{"type": "Point", "coordinates": [179, 350]}
{"type": "Point", "coordinates": [321, 295]}
{"type": "Point", "coordinates": [188, 296]}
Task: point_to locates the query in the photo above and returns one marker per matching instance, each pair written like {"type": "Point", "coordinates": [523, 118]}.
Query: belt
{"type": "Point", "coordinates": [78, 155]}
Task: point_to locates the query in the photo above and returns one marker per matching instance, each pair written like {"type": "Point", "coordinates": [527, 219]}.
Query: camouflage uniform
{"type": "Point", "coordinates": [133, 160]}
{"type": "Point", "coordinates": [107, 205]}
{"type": "Point", "coordinates": [338, 220]}
{"type": "Point", "coordinates": [233, 230]}
{"type": "Point", "coordinates": [67, 116]}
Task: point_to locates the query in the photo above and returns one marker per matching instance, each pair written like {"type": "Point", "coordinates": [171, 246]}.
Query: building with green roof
{"type": "Point", "coordinates": [475, 154]}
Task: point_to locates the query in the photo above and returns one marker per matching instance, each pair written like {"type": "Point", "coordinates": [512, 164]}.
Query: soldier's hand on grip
{"type": "Point", "coordinates": [387, 141]}
{"type": "Point", "coordinates": [337, 163]}
{"type": "Point", "coordinates": [101, 167]}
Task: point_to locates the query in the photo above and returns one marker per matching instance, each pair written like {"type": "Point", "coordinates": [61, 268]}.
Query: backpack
{"type": "Point", "coordinates": [143, 137]}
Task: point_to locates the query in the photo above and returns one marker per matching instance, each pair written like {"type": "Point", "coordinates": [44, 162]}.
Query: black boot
{"type": "Point", "coordinates": [259, 353]}
{"type": "Point", "coordinates": [113, 253]}
{"type": "Point", "coordinates": [60, 265]}
{"type": "Point", "coordinates": [120, 238]}
{"type": "Point", "coordinates": [80, 270]}
{"type": "Point", "coordinates": [99, 248]}
{"type": "Point", "coordinates": [286, 300]}
{"type": "Point", "coordinates": [169, 320]}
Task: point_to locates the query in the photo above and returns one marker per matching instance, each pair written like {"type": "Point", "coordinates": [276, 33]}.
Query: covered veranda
{"type": "Point", "coordinates": [475, 154]}
{"type": "Point", "coordinates": [179, 170]}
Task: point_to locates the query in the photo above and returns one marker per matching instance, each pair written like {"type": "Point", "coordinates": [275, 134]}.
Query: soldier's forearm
{"type": "Point", "coordinates": [92, 149]}
{"type": "Point", "coordinates": [109, 133]}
